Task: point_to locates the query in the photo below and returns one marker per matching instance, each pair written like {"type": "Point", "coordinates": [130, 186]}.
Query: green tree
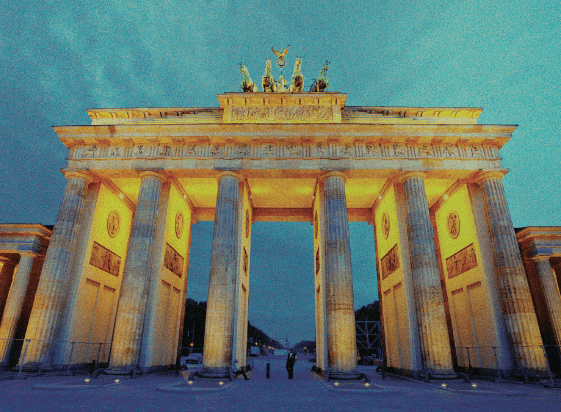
{"type": "Point", "coordinates": [369, 312]}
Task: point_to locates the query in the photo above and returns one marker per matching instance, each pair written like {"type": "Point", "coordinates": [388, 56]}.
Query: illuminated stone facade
{"type": "Point", "coordinates": [451, 279]}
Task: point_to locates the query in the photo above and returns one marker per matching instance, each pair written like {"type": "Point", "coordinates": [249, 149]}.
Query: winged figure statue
{"type": "Point", "coordinates": [281, 62]}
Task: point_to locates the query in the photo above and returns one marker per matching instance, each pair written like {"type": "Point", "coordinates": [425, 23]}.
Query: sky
{"type": "Point", "coordinates": [58, 58]}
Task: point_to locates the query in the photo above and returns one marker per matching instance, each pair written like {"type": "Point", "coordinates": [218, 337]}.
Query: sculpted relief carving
{"type": "Point", "coordinates": [399, 150]}
{"type": "Point", "coordinates": [282, 114]}
{"type": "Point", "coordinates": [284, 149]}
{"type": "Point", "coordinates": [372, 150]}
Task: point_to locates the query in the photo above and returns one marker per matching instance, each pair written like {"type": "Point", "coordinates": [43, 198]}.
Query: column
{"type": "Point", "coordinates": [14, 303]}
{"type": "Point", "coordinates": [6, 274]}
{"type": "Point", "coordinates": [429, 301]}
{"type": "Point", "coordinates": [224, 264]}
{"type": "Point", "coordinates": [51, 291]}
{"type": "Point", "coordinates": [136, 276]}
{"type": "Point", "coordinates": [550, 288]}
{"type": "Point", "coordinates": [340, 315]}
{"type": "Point", "coordinates": [518, 309]}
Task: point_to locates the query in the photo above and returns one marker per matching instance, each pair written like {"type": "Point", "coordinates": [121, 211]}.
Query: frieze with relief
{"type": "Point", "coordinates": [359, 150]}
{"type": "Point", "coordinates": [390, 262]}
{"type": "Point", "coordinates": [104, 259]}
{"type": "Point", "coordinates": [142, 150]}
{"type": "Point", "coordinates": [173, 261]}
{"type": "Point", "coordinates": [281, 114]}
{"type": "Point", "coordinates": [461, 261]}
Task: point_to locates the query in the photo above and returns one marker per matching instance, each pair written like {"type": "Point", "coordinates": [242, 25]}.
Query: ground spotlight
{"type": "Point", "coordinates": [117, 381]}
{"type": "Point", "coordinates": [189, 382]}
{"type": "Point", "coordinates": [86, 380]}
{"type": "Point", "coordinates": [366, 384]}
{"type": "Point", "coordinates": [336, 384]}
{"type": "Point", "coordinates": [474, 385]}
{"type": "Point", "coordinates": [443, 385]}
{"type": "Point", "coordinates": [221, 383]}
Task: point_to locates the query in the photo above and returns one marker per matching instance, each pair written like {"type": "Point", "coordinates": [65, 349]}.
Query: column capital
{"type": "Point", "coordinates": [4, 259]}
{"type": "Point", "coordinates": [28, 253]}
{"type": "Point", "coordinates": [78, 175]}
{"type": "Point", "coordinates": [152, 173]}
{"type": "Point", "coordinates": [479, 178]}
{"type": "Point", "coordinates": [410, 175]}
{"type": "Point", "coordinates": [235, 175]}
{"type": "Point", "coordinates": [332, 174]}
{"type": "Point", "coordinates": [538, 258]}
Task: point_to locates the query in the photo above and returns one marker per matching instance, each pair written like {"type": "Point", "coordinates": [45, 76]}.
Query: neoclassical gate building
{"type": "Point", "coordinates": [450, 272]}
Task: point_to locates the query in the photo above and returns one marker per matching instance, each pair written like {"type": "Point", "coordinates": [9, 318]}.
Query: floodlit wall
{"type": "Point", "coordinates": [93, 316]}
{"type": "Point", "coordinates": [472, 319]}
{"type": "Point", "coordinates": [399, 326]}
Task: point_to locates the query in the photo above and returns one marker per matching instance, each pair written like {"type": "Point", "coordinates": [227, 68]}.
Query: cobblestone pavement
{"type": "Point", "coordinates": [167, 392]}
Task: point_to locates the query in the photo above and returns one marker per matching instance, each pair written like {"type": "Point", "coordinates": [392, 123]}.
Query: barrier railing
{"type": "Point", "coordinates": [480, 358]}
{"type": "Point", "coordinates": [15, 354]}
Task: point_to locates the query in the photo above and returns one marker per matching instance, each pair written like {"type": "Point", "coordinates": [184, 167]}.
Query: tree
{"type": "Point", "coordinates": [369, 312]}
{"type": "Point", "coordinates": [194, 321]}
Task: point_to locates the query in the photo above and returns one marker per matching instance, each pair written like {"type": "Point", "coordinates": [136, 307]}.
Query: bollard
{"type": "Point", "coordinates": [70, 358]}
{"type": "Point", "coordinates": [23, 356]}
{"type": "Point", "coordinates": [268, 370]}
{"type": "Point", "coordinates": [500, 378]}
{"type": "Point", "coordinates": [383, 367]}
{"type": "Point", "coordinates": [469, 363]}
{"type": "Point", "coordinates": [98, 352]}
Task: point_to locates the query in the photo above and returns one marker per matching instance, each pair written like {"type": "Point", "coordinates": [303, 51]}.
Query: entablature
{"type": "Point", "coordinates": [539, 241]}
{"type": "Point", "coordinates": [126, 135]}
{"type": "Point", "coordinates": [21, 238]}
{"type": "Point", "coordinates": [285, 108]}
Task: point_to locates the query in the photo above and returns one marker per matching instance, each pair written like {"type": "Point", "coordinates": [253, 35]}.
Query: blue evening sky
{"type": "Point", "coordinates": [58, 58]}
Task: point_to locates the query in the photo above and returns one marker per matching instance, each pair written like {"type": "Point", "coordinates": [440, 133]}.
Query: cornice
{"type": "Point", "coordinates": [461, 134]}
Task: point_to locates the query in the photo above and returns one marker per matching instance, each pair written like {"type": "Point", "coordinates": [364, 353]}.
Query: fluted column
{"type": "Point", "coordinates": [340, 315]}
{"type": "Point", "coordinates": [6, 274]}
{"type": "Point", "coordinates": [429, 300]}
{"type": "Point", "coordinates": [518, 309]}
{"type": "Point", "coordinates": [136, 276]}
{"type": "Point", "coordinates": [14, 303]}
{"type": "Point", "coordinates": [51, 291]}
{"type": "Point", "coordinates": [550, 288]}
{"type": "Point", "coordinates": [219, 325]}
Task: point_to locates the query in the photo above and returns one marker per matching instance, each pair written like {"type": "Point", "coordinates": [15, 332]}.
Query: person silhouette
{"type": "Point", "coordinates": [290, 361]}
{"type": "Point", "coordinates": [237, 371]}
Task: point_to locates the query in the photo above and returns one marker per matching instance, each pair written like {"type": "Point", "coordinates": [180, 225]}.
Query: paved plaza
{"type": "Point", "coordinates": [167, 392]}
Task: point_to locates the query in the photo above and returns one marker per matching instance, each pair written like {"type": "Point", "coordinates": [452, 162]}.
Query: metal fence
{"type": "Point", "coordinates": [475, 360]}
{"type": "Point", "coordinates": [15, 353]}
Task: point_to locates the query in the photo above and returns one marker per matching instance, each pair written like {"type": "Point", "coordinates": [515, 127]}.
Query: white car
{"type": "Point", "coordinates": [192, 358]}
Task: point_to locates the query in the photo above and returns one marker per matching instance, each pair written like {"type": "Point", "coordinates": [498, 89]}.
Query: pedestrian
{"type": "Point", "coordinates": [237, 371]}
{"type": "Point", "coordinates": [290, 361]}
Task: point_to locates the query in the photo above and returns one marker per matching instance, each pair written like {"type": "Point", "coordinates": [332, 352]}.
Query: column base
{"type": "Point", "coordinates": [344, 376]}
{"type": "Point", "coordinates": [213, 373]}
{"type": "Point", "coordinates": [126, 370]}
{"type": "Point", "coordinates": [36, 367]}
